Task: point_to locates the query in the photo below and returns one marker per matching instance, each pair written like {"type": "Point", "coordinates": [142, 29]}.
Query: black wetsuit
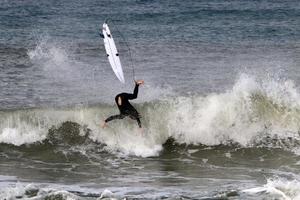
{"type": "Point", "coordinates": [126, 109]}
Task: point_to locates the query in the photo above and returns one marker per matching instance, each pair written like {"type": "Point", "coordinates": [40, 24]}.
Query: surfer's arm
{"type": "Point", "coordinates": [136, 90]}
{"type": "Point", "coordinates": [104, 124]}
{"type": "Point", "coordinates": [114, 117]}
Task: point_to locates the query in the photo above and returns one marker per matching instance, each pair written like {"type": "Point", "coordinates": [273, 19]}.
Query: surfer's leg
{"type": "Point", "coordinates": [137, 119]}
{"type": "Point", "coordinates": [139, 122]}
{"type": "Point", "coordinates": [120, 116]}
{"type": "Point", "coordinates": [135, 116]}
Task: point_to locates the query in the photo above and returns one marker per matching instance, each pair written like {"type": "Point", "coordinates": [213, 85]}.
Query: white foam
{"type": "Point", "coordinates": [228, 155]}
{"type": "Point", "coordinates": [239, 115]}
{"type": "Point", "coordinates": [16, 137]}
{"type": "Point", "coordinates": [21, 127]}
{"type": "Point", "coordinates": [129, 141]}
{"type": "Point", "coordinates": [278, 189]}
{"type": "Point", "coordinates": [106, 194]}
{"type": "Point", "coordinates": [17, 190]}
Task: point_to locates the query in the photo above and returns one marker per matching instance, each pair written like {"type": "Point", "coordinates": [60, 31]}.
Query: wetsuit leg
{"type": "Point", "coordinates": [139, 122]}
{"type": "Point", "coordinates": [120, 116]}
{"type": "Point", "coordinates": [133, 114]}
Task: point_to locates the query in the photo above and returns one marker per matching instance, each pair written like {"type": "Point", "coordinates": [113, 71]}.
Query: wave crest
{"type": "Point", "coordinates": [252, 113]}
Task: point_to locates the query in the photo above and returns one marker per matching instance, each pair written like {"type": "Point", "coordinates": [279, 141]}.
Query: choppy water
{"type": "Point", "coordinates": [220, 107]}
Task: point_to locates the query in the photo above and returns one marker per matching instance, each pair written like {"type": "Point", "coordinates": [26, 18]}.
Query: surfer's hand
{"type": "Point", "coordinates": [139, 82]}
{"type": "Point", "coordinates": [103, 124]}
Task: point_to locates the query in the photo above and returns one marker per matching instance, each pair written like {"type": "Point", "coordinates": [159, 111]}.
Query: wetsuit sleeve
{"type": "Point", "coordinates": [135, 93]}
{"type": "Point", "coordinates": [114, 117]}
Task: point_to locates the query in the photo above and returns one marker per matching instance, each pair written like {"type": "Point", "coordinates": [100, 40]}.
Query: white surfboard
{"type": "Point", "coordinates": [112, 53]}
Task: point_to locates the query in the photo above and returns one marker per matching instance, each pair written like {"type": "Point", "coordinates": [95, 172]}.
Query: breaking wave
{"type": "Point", "coordinates": [253, 113]}
{"type": "Point", "coordinates": [277, 188]}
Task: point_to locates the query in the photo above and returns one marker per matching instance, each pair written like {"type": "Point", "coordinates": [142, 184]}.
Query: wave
{"type": "Point", "coordinates": [253, 113]}
{"type": "Point", "coordinates": [277, 188]}
{"type": "Point", "coordinates": [46, 191]}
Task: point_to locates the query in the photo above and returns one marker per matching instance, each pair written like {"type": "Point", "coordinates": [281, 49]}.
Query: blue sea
{"type": "Point", "coordinates": [220, 105]}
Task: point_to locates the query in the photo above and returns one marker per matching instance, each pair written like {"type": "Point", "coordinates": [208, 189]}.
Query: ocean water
{"type": "Point", "coordinates": [220, 106]}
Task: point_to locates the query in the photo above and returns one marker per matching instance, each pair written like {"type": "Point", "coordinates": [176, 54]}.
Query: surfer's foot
{"type": "Point", "coordinates": [103, 124]}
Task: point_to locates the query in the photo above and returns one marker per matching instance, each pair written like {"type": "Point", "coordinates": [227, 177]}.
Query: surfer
{"type": "Point", "coordinates": [126, 109]}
